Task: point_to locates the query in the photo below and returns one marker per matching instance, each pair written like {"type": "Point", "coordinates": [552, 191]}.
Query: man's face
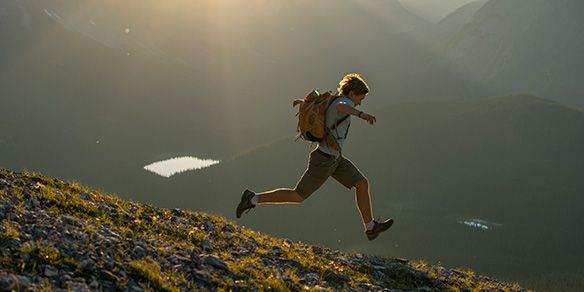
{"type": "Point", "coordinates": [357, 99]}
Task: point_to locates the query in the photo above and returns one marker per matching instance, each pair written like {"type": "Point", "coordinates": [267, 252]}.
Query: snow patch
{"type": "Point", "coordinates": [170, 167]}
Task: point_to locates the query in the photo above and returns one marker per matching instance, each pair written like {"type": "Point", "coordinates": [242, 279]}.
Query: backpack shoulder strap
{"type": "Point", "coordinates": [339, 122]}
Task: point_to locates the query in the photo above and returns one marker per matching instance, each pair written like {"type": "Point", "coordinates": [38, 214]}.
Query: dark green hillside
{"type": "Point", "coordinates": [514, 162]}
{"type": "Point", "coordinates": [61, 235]}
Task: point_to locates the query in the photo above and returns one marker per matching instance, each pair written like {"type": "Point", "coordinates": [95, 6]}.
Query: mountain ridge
{"type": "Point", "coordinates": [522, 46]}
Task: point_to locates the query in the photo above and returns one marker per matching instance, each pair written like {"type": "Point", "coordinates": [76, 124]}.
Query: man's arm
{"type": "Point", "coordinates": [345, 109]}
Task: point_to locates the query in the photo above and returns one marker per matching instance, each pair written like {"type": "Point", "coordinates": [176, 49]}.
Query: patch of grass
{"type": "Point", "coordinates": [40, 253]}
{"type": "Point", "coordinates": [272, 283]}
{"type": "Point", "coordinates": [8, 231]}
{"type": "Point", "coordinates": [150, 271]}
{"type": "Point", "coordinates": [253, 271]}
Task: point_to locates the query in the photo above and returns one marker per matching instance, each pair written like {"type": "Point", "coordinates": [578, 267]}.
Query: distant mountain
{"type": "Point", "coordinates": [455, 21]}
{"type": "Point", "coordinates": [523, 46]}
{"type": "Point", "coordinates": [433, 11]}
{"type": "Point", "coordinates": [512, 162]}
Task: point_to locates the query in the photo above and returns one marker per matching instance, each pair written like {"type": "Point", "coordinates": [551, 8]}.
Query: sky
{"type": "Point", "coordinates": [433, 10]}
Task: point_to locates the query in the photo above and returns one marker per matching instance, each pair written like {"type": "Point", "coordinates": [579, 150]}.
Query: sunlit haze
{"type": "Point", "coordinates": [433, 10]}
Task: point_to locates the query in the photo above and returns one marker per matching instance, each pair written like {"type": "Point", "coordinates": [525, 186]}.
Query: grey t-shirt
{"type": "Point", "coordinates": [340, 132]}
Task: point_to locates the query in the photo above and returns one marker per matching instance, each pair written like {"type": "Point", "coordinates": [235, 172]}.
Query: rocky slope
{"type": "Point", "coordinates": [61, 235]}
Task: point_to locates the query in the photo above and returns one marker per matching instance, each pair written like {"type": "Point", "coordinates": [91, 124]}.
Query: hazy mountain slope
{"type": "Point", "coordinates": [455, 21]}
{"type": "Point", "coordinates": [71, 105]}
{"type": "Point", "coordinates": [506, 161]}
{"type": "Point", "coordinates": [61, 235]}
{"type": "Point", "coordinates": [523, 46]}
{"type": "Point", "coordinates": [433, 11]}
{"type": "Point", "coordinates": [125, 72]}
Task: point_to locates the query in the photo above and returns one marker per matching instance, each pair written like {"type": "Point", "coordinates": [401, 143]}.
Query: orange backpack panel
{"type": "Point", "coordinates": [312, 118]}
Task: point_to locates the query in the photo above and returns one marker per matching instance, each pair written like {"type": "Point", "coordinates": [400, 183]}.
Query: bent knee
{"type": "Point", "coordinates": [362, 183]}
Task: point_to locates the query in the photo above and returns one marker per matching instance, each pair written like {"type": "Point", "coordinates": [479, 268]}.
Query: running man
{"type": "Point", "coordinates": [325, 161]}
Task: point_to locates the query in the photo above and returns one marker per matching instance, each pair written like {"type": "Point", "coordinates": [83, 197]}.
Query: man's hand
{"type": "Point", "coordinates": [369, 118]}
{"type": "Point", "coordinates": [297, 102]}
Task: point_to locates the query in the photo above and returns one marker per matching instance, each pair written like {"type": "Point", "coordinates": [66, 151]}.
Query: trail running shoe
{"type": "Point", "coordinates": [378, 228]}
{"type": "Point", "coordinates": [245, 203]}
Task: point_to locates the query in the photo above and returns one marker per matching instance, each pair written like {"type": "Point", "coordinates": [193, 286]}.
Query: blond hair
{"type": "Point", "coordinates": [353, 82]}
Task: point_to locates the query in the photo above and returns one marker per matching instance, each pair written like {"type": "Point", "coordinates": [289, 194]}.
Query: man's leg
{"type": "Point", "coordinates": [363, 200]}
{"type": "Point", "coordinates": [350, 176]}
{"type": "Point", "coordinates": [250, 199]}
{"type": "Point", "coordinates": [279, 196]}
{"type": "Point", "coordinates": [319, 169]}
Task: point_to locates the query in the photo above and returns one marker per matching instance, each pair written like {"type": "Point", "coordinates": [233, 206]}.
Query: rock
{"type": "Point", "coordinates": [201, 277]}
{"type": "Point", "coordinates": [135, 288]}
{"type": "Point", "coordinates": [209, 226]}
{"type": "Point", "coordinates": [94, 284]}
{"type": "Point", "coordinates": [342, 260]}
{"type": "Point", "coordinates": [379, 268]}
{"type": "Point", "coordinates": [78, 287]}
{"type": "Point", "coordinates": [32, 203]}
{"type": "Point", "coordinates": [195, 258]}
{"type": "Point", "coordinates": [87, 265]}
{"type": "Point", "coordinates": [206, 245]}
{"type": "Point", "coordinates": [84, 196]}
{"type": "Point", "coordinates": [139, 252]}
{"type": "Point", "coordinates": [311, 278]}
{"type": "Point", "coordinates": [50, 271]}
{"type": "Point", "coordinates": [277, 250]}
{"type": "Point", "coordinates": [66, 278]}
{"type": "Point", "coordinates": [109, 276]}
{"type": "Point", "coordinates": [109, 262]}
{"type": "Point", "coordinates": [177, 259]}
{"type": "Point", "coordinates": [334, 277]}
{"type": "Point", "coordinates": [288, 243]}
{"type": "Point", "coordinates": [215, 262]}
{"type": "Point", "coordinates": [24, 282]}
{"type": "Point", "coordinates": [8, 282]}
{"type": "Point", "coordinates": [316, 250]}
{"type": "Point", "coordinates": [68, 219]}
{"type": "Point", "coordinates": [145, 217]}
{"type": "Point", "coordinates": [108, 285]}
{"type": "Point", "coordinates": [292, 263]}
{"type": "Point", "coordinates": [228, 228]}
{"type": "Point", "coordinates": [267, 261]}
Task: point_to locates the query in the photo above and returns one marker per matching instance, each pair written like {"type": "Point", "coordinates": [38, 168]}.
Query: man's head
{"type": "Point", "coordinates": [354, 87]}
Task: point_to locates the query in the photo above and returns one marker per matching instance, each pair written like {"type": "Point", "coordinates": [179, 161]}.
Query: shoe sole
{"type": "Point", "coordinates": [374, 236]}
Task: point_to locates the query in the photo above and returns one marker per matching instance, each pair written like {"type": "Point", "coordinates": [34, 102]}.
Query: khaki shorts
{"type": "Point", "coordinates": [321, 166]}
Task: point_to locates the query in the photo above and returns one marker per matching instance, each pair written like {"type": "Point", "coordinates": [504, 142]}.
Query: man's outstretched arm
{"type": "Point", "coordinates": [346, 109]}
